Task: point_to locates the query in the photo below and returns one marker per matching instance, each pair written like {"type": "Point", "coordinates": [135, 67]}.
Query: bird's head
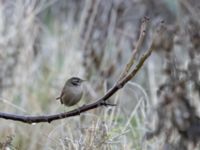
{"type": "Point", "coordinates": [75, 81]}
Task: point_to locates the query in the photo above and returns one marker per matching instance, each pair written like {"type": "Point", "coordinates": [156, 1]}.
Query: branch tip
{"type": "Point", "coordinates": [127, 74]}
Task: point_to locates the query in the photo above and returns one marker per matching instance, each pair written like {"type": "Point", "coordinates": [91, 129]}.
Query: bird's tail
{"type": "Point", "coordinates": [58, 98]}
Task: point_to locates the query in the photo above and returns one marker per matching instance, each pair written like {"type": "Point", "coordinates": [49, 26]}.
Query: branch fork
{"type": "Point", "coordinates": [126, 75]}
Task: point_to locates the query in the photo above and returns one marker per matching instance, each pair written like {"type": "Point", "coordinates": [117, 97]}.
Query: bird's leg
{"type": "Point", "coordinates": [79, 110]}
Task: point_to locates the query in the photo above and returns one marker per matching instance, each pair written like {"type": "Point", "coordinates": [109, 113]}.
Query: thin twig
{"type": "Point", "coordinates": [137, 47]}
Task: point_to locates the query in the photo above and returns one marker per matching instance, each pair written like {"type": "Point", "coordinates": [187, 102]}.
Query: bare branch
{"type": "Point", "coordinates": [137, 47]}
{"type": "Point", "coordinates": [100, 102]}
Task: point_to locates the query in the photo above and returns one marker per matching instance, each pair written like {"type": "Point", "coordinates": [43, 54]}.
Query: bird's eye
{"type": "Point", "coordinates": [75, 82]}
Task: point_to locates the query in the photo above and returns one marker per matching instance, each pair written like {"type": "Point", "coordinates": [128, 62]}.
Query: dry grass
{"type": "Point", "coordinates": [41, 46]}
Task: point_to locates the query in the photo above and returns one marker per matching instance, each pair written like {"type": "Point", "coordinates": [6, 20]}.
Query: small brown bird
{"type": "Point", "coordinates": [72, 91]}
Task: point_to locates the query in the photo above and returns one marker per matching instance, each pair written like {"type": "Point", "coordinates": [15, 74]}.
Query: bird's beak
{"type": "Point", "coordinates": [83, 80]}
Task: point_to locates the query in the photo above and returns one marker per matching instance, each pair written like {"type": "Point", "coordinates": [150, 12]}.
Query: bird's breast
{"type": "Point", "coordinates": [72, 95]}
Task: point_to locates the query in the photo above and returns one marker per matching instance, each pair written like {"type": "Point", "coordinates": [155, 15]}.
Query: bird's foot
{"type": "Point", "coordinates": [105, 103]}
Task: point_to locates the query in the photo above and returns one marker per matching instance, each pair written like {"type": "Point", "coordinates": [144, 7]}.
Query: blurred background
{"type": "Point", "coordinates": [43, 43]}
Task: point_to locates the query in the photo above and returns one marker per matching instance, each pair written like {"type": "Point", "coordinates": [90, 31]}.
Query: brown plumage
{"type": "Point", "coordinates": [72, 92]}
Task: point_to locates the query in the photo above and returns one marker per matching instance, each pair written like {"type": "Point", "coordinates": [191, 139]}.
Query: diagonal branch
{"type": "Point", "coordinates": [84, 108]}
{"type": "Point", "coordinates": [137, 47]}
{"type": "Point", "coordinates": [100, 102]}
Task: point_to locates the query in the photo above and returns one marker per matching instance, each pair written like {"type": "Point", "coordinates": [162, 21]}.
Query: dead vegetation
{"type": "Point", "coordinates": [42, 43]}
